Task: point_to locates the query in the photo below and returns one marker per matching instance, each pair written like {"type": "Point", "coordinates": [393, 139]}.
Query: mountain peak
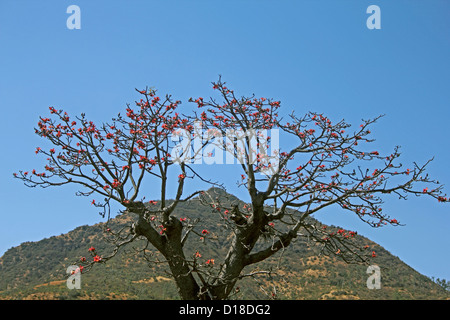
{"type": "Point", "coordinates": [36, 270]}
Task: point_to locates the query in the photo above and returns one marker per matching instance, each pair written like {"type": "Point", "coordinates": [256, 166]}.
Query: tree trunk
{"type": "Point", "coordinates": [232, 268]}
{"type": "Point", "coordinates": [243, 243]}
{"type": "Point", "coordinates": [169, 244]}
{"type": "Point", "coordinates": [188, 287]}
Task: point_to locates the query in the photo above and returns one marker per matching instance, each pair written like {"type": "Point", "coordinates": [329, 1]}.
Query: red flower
{"type": "Point", "coordinates": [97, 258]}
{"type": "Point", "coordinates": [152, 202]}
{"type": "Point", "coordinates": [205, 231]}
{"type": "Point", "coordinates": [373, 254]}
{"type": "Point", "coordinates": [115, 184]}
{"type": "Point", "coordinates": [91, 249]}
{"type": "Point", "coordinates": [162, 229]}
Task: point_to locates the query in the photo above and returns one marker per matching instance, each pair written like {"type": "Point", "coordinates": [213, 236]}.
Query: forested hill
{"type": "Point", "coordinates": [37, 270]}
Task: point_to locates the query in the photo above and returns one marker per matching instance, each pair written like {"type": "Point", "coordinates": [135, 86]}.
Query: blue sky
{"type": "Point", "coordinates": [312, 55]}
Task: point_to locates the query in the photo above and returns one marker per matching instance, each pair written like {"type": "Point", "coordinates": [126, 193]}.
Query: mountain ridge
{"type": "Point", "coordinates": [37, 269]}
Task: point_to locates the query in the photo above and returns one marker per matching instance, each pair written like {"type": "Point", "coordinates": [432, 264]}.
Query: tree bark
{"type": "Point", "coordinates": [243, 243]}
{"type": "Point", "coordinates": [188, 287]}
{"type": "Point", "coordinates": [170, 246]}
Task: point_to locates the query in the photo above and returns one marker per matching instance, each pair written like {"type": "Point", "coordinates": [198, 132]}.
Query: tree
{"type": "Point", "coordinates": [322, 169]}
{"type": "Point", "coordinates": [444, 284]}
{"type": "Point", "coordinates": [112, 160]}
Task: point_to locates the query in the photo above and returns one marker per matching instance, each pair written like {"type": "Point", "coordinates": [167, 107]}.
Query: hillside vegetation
{"type": "Point", "coordinates": [37, 270]}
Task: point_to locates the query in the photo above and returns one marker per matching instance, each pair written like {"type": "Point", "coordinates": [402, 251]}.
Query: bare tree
{"type": "Point", "coordinates": [119, 161]}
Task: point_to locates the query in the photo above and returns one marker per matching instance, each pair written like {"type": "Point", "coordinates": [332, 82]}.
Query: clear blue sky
{"type": "Point", "coordinates": [312, 55]}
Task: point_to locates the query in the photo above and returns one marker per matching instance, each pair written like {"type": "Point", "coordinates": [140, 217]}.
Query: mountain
{"type": "Point", "coordinates": [37, 270]}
